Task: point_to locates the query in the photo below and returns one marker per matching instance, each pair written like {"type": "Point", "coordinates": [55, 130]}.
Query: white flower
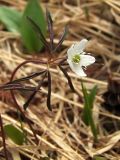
{"type": "Point", "coordinates": [77, 58]}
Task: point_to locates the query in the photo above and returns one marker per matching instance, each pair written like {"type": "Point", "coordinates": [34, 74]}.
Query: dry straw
{"type": "Point", "coordinates": [63, 130]}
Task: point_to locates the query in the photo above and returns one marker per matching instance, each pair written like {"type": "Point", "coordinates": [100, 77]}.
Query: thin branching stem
{"type": "Point", "coordinates": [21, 111]}
{"type": "Point", "coordinates": [16, 103]}
{"type": "Point", "coordinates": [3, 138]}
{"type": "Point", "coordinates": [23, 63]}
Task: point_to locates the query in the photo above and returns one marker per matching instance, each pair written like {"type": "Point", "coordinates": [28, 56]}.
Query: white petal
{"type": "Point", "coordinates": [86, 60]}
{"type": "Point", "coordinates": [77, 48]}
{"type": "Point", "coordinates": [71, 52]}
{"type": "Point", "coordinates": [80, 46]}
{"type": "Point", "coordinates": [76, 68]}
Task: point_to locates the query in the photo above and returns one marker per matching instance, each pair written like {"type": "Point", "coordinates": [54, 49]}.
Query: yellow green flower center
{"type": "Point", "coordinates": [76, 58]}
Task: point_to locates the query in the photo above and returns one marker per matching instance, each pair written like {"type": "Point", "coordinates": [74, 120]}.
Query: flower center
{"type": "Point", "coordinates": [76, 58]}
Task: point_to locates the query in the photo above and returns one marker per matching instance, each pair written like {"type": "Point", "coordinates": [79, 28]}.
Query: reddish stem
{"type": "Point", "coordinates": [15, 101]}
{"type": "Point", "coordinates": [3, 137]}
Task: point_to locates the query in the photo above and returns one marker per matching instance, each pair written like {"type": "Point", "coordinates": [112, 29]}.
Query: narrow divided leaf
{"type": "Point", "coordinates": [38, 32]}
{"type": "Point", "coordinates": [61, 38]}
{"type": "Point", "coordinates": [31, 76]}
{"type": "Point", "coordinates": [25, 106]}
{"type": "Point", "coordinates": [49, 92]}
{"type": "Point", "coordinates": [14, 134]}
{"type": "Point", "coordinates": [50, 28]}
{"type": "Point", "coordinates": [11, 18]}
{"type": "Point", "coordinates": [68, 78]}
{"type": "Point", "coordinates": [30, 38]}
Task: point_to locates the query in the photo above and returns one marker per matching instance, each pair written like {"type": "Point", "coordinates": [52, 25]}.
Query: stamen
{"type": "Point", "coordinates": [76, 58]}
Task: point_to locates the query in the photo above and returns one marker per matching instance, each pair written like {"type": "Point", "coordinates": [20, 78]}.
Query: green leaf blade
{"type": "Point", "coordinates": [14, 134]}
{"type": "Point", "coordinates": [11, 18]}
{"type": "Point", "coordinates": [29, 36]}
{"type": "Point", "coordinates": [87, 111]}
{"type": "Point", "coordinates": [91, 99]}
{"type": "Point", "coordinates": [92, 95]}
{"type": "Point", "coordinates": [93, 127]}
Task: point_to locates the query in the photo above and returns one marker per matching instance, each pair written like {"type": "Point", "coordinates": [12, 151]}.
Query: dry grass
{"type": "Point", "coordinates": [63, 130]}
